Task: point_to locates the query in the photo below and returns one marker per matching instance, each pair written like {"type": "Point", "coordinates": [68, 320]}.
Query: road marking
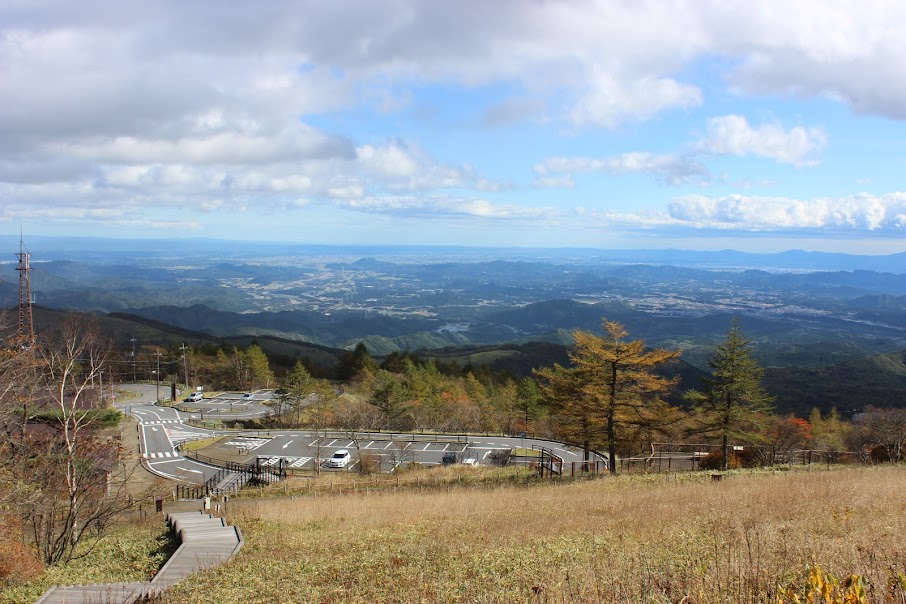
{"type": "Point", "coordinates": [369, 444]}
{"type": "Point", "coordinates": [288, 443]}
{"type": "Point", "coordinates": [330, 444]}
{"type": "Point", "coordinates": [426, 447]}
{"type": "Point", "coordinates": [388, 445]}
{"type": "Point", "coordinates": [163, 461]}
{"type": "Point", "coordinates": [154, 429]}
{"type": "Point", "coordinates": [487, 453]}
{"type": "Point", "coordinates": [351, 444]}
{"type": "Point", "coordinates": [299, 462]}
{"type": "Point", "coordinates": [189, 470]}
{"type": "Point", "coordinates": [447, 446]}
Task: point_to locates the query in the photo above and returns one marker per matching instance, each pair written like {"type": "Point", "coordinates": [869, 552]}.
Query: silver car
{"type": "Point", "coordinates": [339, 459]}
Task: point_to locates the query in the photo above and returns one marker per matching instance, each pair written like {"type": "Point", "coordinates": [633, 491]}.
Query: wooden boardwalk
{"type": "Point", "coordinates": [205, 541]}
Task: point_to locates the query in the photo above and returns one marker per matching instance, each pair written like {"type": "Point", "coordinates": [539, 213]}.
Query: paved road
{"type": "Point", "coordinates": [161, 429]}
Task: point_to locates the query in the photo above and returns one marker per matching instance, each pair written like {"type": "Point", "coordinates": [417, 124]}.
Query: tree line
{"type": "Point", "coordinates": [611, 397]}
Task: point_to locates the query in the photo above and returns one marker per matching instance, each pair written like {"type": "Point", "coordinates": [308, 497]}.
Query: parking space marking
{"type": "Point", "coordinates": [330, 444]}
{"type": "Point", "coordinates": [426, 447]}
{"type": "Point", "coordinates": [369, 444]}
{"type": "Point", "coordinates": [288, 443]}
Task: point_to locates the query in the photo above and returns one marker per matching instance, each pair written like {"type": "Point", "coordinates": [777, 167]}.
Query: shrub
{"type": "Point", "coordinates": [18, 561]}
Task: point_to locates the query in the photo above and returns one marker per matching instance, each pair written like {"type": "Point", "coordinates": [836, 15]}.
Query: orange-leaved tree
{"type": "Point", "coordinates": [611, 386]}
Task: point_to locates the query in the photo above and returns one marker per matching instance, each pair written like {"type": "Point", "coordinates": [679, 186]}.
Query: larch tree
{"type": "Point", "coordinates": [611, 386]}
{"type": "Point", "coordinates": [258, 366]}
{"type": "Point", "coordinates": [732, 403]}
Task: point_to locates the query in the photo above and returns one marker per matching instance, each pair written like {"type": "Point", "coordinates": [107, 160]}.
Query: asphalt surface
{"type": "Point", "coordinates": [162, 429]}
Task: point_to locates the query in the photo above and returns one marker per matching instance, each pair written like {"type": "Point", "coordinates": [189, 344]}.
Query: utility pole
{"type": "Point", "coordinates": [158, 377]}
{"type": "Point", "coordinates": [185, 358]}
{"type": "Point", "coordinates": [133, 360]}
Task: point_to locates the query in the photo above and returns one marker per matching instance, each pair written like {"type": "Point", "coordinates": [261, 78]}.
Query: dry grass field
{"type": "Point", "coordinates": [748, 538]}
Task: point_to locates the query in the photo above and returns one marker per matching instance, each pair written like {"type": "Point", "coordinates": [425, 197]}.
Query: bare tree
{"type": "Point", "coordinates": [76, 472]}
{"type": "Point", "coordinates": [882, 431]}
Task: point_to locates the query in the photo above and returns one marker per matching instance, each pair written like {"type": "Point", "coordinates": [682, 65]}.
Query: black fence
{"type": "Point", "coordinates": [231, 476]}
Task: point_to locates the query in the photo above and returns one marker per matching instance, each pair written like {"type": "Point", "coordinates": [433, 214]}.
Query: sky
{"type": "Point", "coordinates": [692, 124]}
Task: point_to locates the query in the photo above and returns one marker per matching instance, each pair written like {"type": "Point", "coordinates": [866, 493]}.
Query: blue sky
{"type": "Point", "coordinates": [691, 124]}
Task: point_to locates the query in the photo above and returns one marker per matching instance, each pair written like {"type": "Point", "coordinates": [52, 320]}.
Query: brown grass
{"type": "Point", "coordinates": [635, 539]}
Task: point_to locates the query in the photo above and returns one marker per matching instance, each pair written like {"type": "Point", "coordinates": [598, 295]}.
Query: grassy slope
{"type": "Point", "coordinates": [641, 539]}
{"type": "Point", "coordinates": [130, 552]}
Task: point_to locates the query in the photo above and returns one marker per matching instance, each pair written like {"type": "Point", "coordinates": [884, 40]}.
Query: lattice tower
{"type": "Point", "coordinates": [26, 331]}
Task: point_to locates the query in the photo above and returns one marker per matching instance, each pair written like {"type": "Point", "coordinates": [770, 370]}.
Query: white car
{"type": "Point", "coordinates": [470, 461]}
{"type": "Point", "coordinates": [339, 459]}
{"type": "Point", "coordinates": [248, 396]}
{"type": "Point", "coordinates": [195, 397]}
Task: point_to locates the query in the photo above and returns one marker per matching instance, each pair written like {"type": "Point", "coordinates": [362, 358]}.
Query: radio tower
{"type": "Point", "coordinates": [26, 334]}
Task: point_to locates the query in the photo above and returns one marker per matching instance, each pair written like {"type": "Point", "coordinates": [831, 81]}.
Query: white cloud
{"type": "Point", "coordinates": [610, 101]}
{"type": "Point", "coordinates": [732, 135]}
{"type": "Point", "coordinates": [863, 212]}
{"type": "Point", "coordinates": [672, 168]}
{"type": "Point", "coordinates": [441, 207]}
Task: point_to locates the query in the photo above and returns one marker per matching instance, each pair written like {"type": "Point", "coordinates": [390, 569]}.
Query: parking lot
{"type": "Point", "coordinates": [301, 451]}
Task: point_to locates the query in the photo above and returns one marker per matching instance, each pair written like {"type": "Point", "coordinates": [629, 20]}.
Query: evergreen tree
{"type": "Point", "coordinates": [732, 402]}
{"type": "Point", "coordinates": [611, 386]}
{"type": "Point", "coordinates": [354, 362]}
{"type": "Point", "coordinates": [528, 402]}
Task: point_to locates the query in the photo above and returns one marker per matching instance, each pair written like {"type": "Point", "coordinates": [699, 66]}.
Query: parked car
{"type": "Point", "coordinates": [248, 396]}
{"type": "Point", "coordinates": [339, 459]}
{"type": "Point", "coordinates": [470, 461]}
{"type": "Point", "coordinates": [194, 397]}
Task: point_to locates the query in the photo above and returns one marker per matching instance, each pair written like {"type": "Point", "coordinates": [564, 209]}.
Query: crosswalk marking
{"type": "Point", "coordinates": [292, 462]}
{"type": "Point", "coordinates": [248, 442]}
